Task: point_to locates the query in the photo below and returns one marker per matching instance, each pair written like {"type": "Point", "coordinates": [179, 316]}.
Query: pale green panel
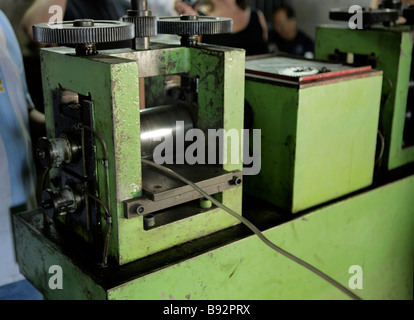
{"type": "Point", "coordinates": [125, 93]}
{"type": "Point", "coordinates": [275, 114]}
{"type": "Point", "coordinates": [392, 48]}
{"type": "Point", "coordinates": [112, 83]}
{"type": "Point", "coordinates": [36, 255]}
{"type": "Point", "coordinates": [234, 105]}
{"type": "Point", "coordinates": [398, 155]}
{"type": "Point", "coordinates": [209, 67]}
{"type": "Point", "coordinates": [337, 130]}
{"type": "Point", "coordinates": [135, 242]}
{"type": "Point", "coordinates": [160, 60]}
{"type": "Point", "coordinates": [373, 230]}
{"type": "Point", "coordinates": [232, 198]}
{"type": "Point", "coordinates": [77, 74]}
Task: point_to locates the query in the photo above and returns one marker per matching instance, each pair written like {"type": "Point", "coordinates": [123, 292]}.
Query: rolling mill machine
{"type": "Point", "coordinates": [122, 227]}
{"type": "Point", "coordinates": [386, 45]}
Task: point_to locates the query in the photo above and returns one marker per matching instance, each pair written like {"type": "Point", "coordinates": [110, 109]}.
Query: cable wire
{"type": "Point", "coordinates": [253, 228]}
{"type": "Point", "coordinates": [108, 215]}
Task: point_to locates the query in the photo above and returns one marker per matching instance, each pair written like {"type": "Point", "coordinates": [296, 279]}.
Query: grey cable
{"type": "Point", "coordinates": [108, 215]}
{"type": "Point", "coordinates": [255, 230]}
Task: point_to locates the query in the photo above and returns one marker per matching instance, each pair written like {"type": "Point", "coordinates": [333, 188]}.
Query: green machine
{"type": "Point", "coordinates": [388, 48]}
{"type": "Point", "coordinates": [99, 189]}
{"type": "Point", "coordinates": [113, 226]}
{"type": "Point", "coordinates": [318, 122]}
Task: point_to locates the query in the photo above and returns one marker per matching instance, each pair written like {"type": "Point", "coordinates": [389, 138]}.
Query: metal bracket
{"type": "Point", "coordinates": [161, 192]}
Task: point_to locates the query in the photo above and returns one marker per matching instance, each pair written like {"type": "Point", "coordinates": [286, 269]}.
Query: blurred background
{"type": "Point", "coordinates": [310, 13]}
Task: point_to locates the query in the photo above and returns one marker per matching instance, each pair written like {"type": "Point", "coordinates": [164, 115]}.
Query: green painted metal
{"type": "Point", "coordinates": [220, 101]}
{"type": "Point", "coordinates": [392, 48]}
{"type": "Point", "coordinates": [373, 229]}
{"type": "Point", "coordinates": [318, 142]}
{"type": "Point", "coordinates": [112, 81]}
{"type": "Point", "coordinates": [36, 254]}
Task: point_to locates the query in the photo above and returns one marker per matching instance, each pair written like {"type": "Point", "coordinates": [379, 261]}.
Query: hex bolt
{"type": "Point", "coordinates": [236, 181]}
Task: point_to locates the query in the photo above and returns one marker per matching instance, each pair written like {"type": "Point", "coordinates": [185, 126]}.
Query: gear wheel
{"type": "Point", "coordinates": [145, 26]}
{"type": "Point", "coordinates": [83, 33]}
{"type": "Point", "coordinates": [191, 26]}
{"type": "Point", "coordinates": [194, 25]}
{"type": "Point", "coordinates": [369, 16]}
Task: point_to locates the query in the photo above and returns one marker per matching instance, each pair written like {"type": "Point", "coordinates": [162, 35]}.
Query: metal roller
{"type": "Point", "coordinates": [158, 122]}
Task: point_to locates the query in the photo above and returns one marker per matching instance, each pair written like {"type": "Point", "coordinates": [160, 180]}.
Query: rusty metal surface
{"type": "Point", "coordinates": [303, 72]}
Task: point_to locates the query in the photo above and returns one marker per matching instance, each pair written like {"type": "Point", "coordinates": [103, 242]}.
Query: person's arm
{"type": "Point", "coordinates": [374, 4]}
{"type": "Point", "coordinates": [263, 23]}
{"type": "Point", "coordinates": [36, 117]}
{"type": "Point", "coordinates": [37, 124]}
{"type": "Point", "coordinates": [184, 8]}
{"type": "Point", "coordinates": [38, 12]}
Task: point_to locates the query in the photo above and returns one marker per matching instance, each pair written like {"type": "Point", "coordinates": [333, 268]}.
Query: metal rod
{"type": "Point", "coordinates": [140, 5]}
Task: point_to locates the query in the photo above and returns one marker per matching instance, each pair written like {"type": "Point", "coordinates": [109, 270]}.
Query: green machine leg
{"type": "Point", "coordinates": [389, 50]}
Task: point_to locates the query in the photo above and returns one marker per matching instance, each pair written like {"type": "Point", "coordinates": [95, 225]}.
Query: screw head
{"type": "Point", "coordinates": [140, 209]}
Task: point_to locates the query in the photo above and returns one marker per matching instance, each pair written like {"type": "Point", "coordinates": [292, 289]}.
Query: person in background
{"type": "Point", "coordinates": [374, 4]}
{"type": "Point", "coordinates": [17, 172]}
{"type": "Point", "coordinates": [285, 36]}
{"type": "Point", "coordinates": [249, 25]}
{"type": "Point", "coordinates": [41, 11]}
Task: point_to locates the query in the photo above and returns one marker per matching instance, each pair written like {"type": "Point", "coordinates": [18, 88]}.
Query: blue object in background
{"type": "Point", "coordinates": [20, 290]}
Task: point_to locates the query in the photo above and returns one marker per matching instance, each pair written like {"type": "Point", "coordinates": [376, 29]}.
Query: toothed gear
{"type": "Point", "coordinates": [98, 31]}
{"type": "Point", "coordinates": [145, 26]}
{"type": "Point", "coordinates": [369, 16]}
{"type": "Point", "coordinates": [201, 25]}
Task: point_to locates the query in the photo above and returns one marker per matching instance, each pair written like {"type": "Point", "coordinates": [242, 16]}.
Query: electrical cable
{"type": "Point", "coordinates": [46, 218]}
{"type": "Point", "coordinates": [253, 228]}
{"type": "Point", "coordinates": [108, 215]}
{"type": "Point", "coordinates": [382, 140]}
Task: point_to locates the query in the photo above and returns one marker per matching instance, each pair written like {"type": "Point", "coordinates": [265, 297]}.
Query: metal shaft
{"type": "Point", "coordinates": [159, 122]}
{"type": "Point", "coordinates": [139, 5]}
{"type": "Point", "coordinates": [139, 9]}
